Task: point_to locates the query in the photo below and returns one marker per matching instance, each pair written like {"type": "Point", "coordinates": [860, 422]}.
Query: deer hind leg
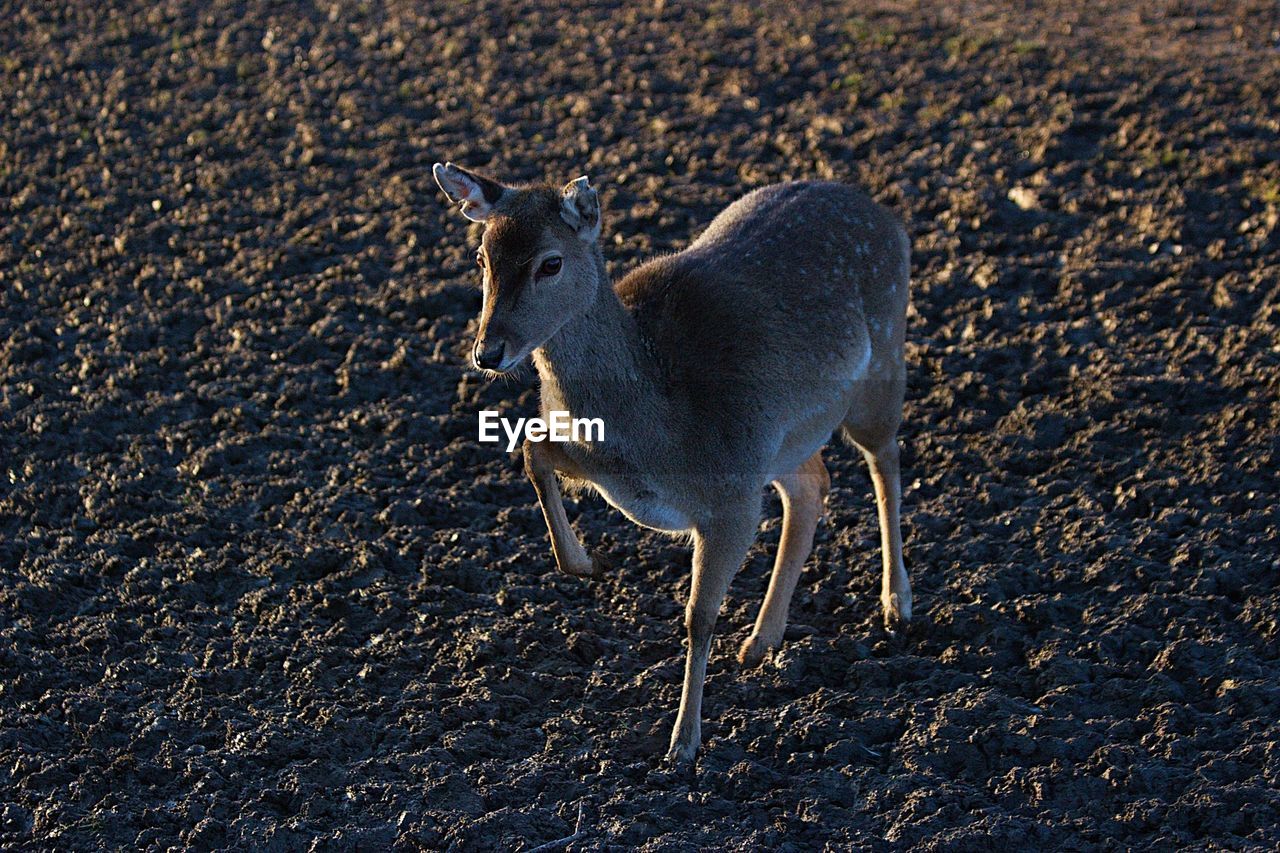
{"type": "Point", "coordinates": [541, 461]}
{"type": "Point", "coordinates": [895, 587]}
{"type": "Point", "coordinates": [872, 426]}
{"type": "Point", "coordinates": [803, 492]}
{"type": "Point", "coordinates": [718, 551]}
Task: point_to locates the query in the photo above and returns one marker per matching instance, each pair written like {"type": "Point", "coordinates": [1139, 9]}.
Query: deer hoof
{"type": "Point", "coordinates": [593, 567]}
{"type": "Point", "coordinates": [680, 756]}
{"type": "Point", "coordinates": [585, 569]}
{"type": "Point", "coordinates": [897, 614]}
{"type": "Point", "coordinates": [600, 564]}
{"type": "Point", "coordinates": [753, 650]}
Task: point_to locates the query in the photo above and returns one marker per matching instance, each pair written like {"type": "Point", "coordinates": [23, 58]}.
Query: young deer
{"type": "Point", "coordinates": [716, 371]}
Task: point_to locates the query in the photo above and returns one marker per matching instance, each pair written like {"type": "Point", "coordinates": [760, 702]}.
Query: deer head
{"type": "Point", "coordinates": [539, 256]}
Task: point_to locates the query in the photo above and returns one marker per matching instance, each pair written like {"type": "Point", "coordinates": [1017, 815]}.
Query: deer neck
{"type": "Point", "coordinates": [598, 360]}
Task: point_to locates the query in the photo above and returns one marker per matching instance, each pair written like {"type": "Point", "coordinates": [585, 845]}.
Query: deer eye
{"type": "Point", "coordinates": [550, 266]}
{"type": "Point", "coordinates": [480, 259]}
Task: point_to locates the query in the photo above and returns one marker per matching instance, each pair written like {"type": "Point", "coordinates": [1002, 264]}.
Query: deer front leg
{"type": "Point", "coordinates": [718, 550]}
{"type": "Point", "coordinates": [540, 464]}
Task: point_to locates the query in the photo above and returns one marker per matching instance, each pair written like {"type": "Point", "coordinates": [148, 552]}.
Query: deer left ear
{"type": "Point", "coordinates": [580, 208]}
{"type": "Point", "coordinates": [475, 194]}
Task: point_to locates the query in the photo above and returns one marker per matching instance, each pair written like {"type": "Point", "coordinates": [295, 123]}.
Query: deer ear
{"type": "Point", "coordinates": [580, 207]}
{"type": "Point", "coordinates": [475, 194]}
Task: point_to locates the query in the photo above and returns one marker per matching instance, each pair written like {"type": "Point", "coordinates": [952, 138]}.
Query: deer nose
{"type": "Point", "coordinates": [488, 353]}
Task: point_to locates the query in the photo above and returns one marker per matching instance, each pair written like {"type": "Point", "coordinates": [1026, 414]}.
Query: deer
{"type": "Point", "coordinates": [717, 371]}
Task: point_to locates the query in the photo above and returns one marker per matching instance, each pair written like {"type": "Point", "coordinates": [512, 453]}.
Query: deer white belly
{"type": "Point", "coordinates": [643, 505]}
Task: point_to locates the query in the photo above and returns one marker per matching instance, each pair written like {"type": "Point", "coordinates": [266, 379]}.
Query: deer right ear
{"type": "Point", "coordinates": [475, 194]}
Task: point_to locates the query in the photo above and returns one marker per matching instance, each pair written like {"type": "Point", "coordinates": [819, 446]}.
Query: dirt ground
{"type": "Point", "coordinates": [260, 587]}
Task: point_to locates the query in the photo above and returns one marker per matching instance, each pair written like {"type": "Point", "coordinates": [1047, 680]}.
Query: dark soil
{"type": "Point", "coordinates": [261, 588]}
